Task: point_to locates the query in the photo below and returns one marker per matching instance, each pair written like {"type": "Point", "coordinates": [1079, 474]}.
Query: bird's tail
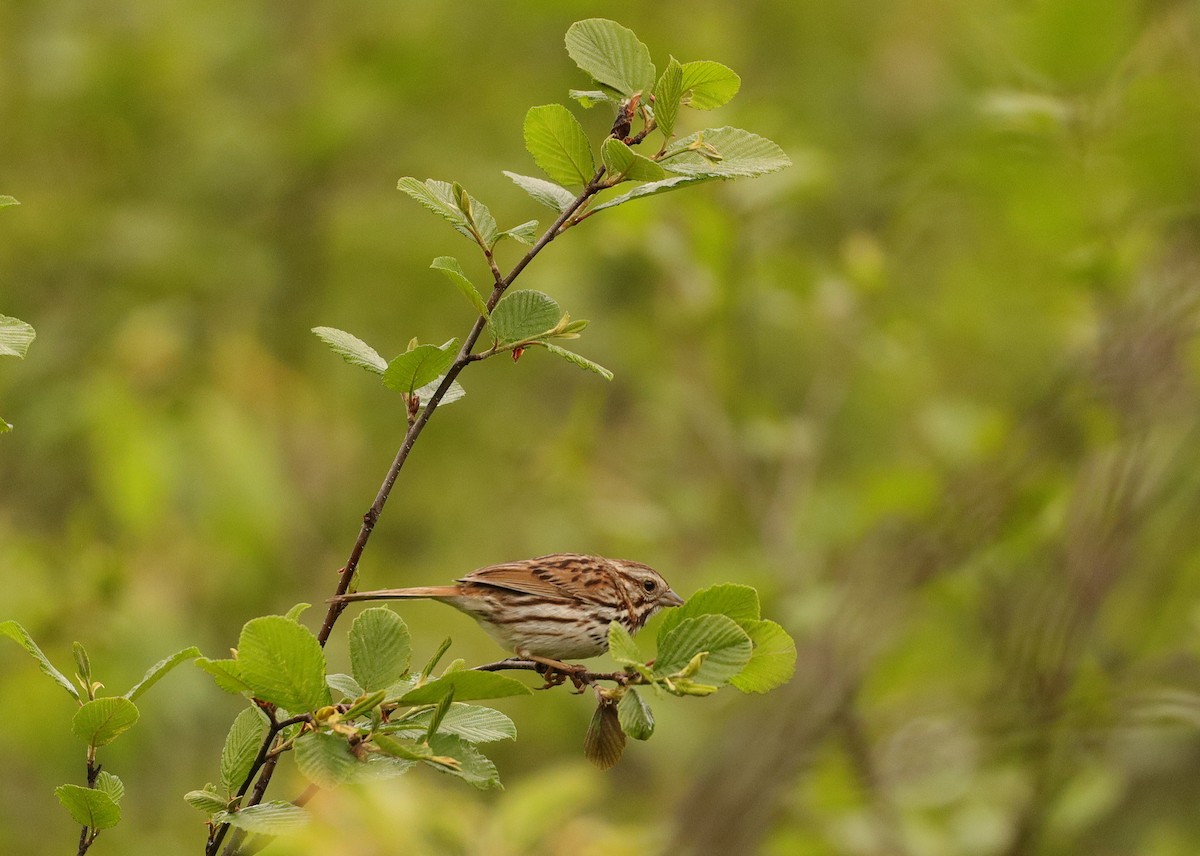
{"type": "Point", "coordinates": [401, 593]}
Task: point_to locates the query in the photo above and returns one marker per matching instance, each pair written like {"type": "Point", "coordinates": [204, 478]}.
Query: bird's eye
{"type": "Point", "coordinates": [650, 585]}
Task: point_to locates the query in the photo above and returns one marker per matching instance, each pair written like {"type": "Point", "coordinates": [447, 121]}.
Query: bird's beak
{"type": "Point", "coordinates": [671, 599]}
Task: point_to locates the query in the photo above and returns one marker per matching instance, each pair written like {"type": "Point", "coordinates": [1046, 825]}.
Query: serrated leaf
{"type": "Point", "coordinates": [18, 634]}
{"type": "Point", "coordinates": [728, 647]}
{"type": "Point", "coordinates": [15, 337]}
{"type": "Point", "coordinates": [773, 661]}
{"type": "Point", "coordinates": [667, 94]}
{"type": "Point", "coordinates": [421, 365]}
{"type": "Point", "coordinates": [226, 673]}
{"type": "Point", "coordinates": [522, 315]}
{"type": "Point", "coordinates": [472, 723]}
{"type": "Point", "coordinates": [589, 98]}
{"type": "Point", "coordinates": [325, 759]}
{"type": "Point", "coordinates": [604, 742]}
{"type": "Point", "coordinates": [269, 818]}
{"type": "Point", "coordinates": [206, 801]}
{"type": "Point", "coordinates": [739, 602]}
{"type": "Point", "coordinates": [449, 266]}
{"type": "Point", "coordinates": [525, 232]}
{"type": "Point", "coordinates": [544, 192]}
{"type": "Point", "coordinates": [440, 198]}
{"type": "Point", "coordinates": [466, 686]}
{"type": "Point", "coordinates": [582, 362]}
{"type": "Point", "coordinates": [653, 189]}
{"type": "Point", "coordinates": [156, 672]}
{"type": "Point", "coordinates": [624, 163]}
{"type": "Point", "coordinates": [344, 684]}
{"type": "Point", "coordinates": [89, 807]}
{"type": "Point", "coordinates": [473, 766]}
{"type": "Point", "coordinates": [622, 647]}
{"type": "Point", "coordinates": [453, 394]}
{"type": "Point", "coordinates": [283, 663]}
{"type": "Point", "coordinates": [110, 784]}
{"type": "Point", "coordinates": [637, 720]}
{"type": "Point", "coordinates": [559, 145]}
{"type": "Point", "coordinates": [731, 153]}
{"type": "Point", "coordinates": [242, 745]}
{"type": "Point", "coordinates": [5, 201]}
{"type": "Point", "coordinates": [351, 349]}
{"type": "Point", "coordinates": [103, 720]}
{"type": "Point", "coordinates": [380, 648]}
{"type": "Point", "coordinates": [707, 84]}
{"type": "Point", "coordinates": [611, 54]}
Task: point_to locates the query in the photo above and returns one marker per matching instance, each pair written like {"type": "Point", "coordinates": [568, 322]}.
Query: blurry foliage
{"type": "Point", "coordinates": [933, 391]}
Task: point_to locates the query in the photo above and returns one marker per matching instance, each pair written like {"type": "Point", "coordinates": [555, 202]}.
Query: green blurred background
{"type": "Point", "coordinates": [933, 391]}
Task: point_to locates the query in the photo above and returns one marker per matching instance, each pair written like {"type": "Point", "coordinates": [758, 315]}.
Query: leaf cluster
{"type": "Point", "coordinates": [99, 721]}
{"type": "Point", "coordinates": [716, 638]}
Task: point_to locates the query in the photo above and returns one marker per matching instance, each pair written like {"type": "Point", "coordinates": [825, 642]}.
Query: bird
{"type": "Point", "coordinates": [552, 608]}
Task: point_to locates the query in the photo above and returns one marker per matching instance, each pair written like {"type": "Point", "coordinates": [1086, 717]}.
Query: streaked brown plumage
{"type": "Point", "coordinates": [554, 607]}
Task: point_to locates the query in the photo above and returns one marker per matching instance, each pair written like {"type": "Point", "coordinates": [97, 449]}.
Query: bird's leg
{"type": "Point", "coordinates": [556, 672]}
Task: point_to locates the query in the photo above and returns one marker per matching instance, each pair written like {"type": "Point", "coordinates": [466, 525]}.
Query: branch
{"type": "Point", "coordinates": [266, 760]}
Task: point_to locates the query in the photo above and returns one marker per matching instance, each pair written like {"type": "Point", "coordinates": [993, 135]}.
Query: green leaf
{"type": "Point", "coordinates": [283, 663]}
{"type": "Point", "coordinates": [725, 153]}
{"type": "Point", "coordinates": [88, 806]}
{"type": "Point", "coordinates": [83, 664]}
{"type": "Point", "coordinates": [344, 684]}
{"type": "Point", "coordinates": [111, 785]}
{"type": "Point", "coordinates": [206, 801]}
{"type": "Point", "coordinates": [708, 84]}
{"type": "Point", "coordinates": [544, 192]}
{"type": "Point", "coordinates": [637, 720]}
{"type": "Point", "coordinates": [559, 145]}
{"type": "Point", "coordinates": [269, 818]}
{"type": "Point", "coordinates": [611, 54]}
{"type": "Point", "coordinates": [582, 362]}
{"type": "Point", "coordinates": [622, 648]}
{"type": "Point", "coordinates": [296, 611]}
{"type": "Point", "coordinates": [739, 602]}
{"type": "Point", "coordinates": [18, 634]}
{"type": "Point", "coordinates": [15, 337]}
{"type": "Point", "coordinates": [440, 198]}
{"type": "Point", "coordinates": [473, 767]}
{"type": "Point", "coordinates": [522, 315]}
{"type": "Point", "coordinates": [351, 349]}
{"type": "Point", "coordinates": [774, 659]}
{"type": "Point", "coordinates": [472, 723]}
{"type": "Point", "coordinates": [380, 648]}
{"type": "Point", "coordinates": [589, 98]}
{"type": "Point", "coordinates": [466, 686]}
{"type": "Point", "coordinates": [453, 394]}
{"type": "Point", "coordinates": [421, 365]}
{"type": "Point", "coordinates": [5, 201]}
{"type": "Point", "coordinates": [156, 672]}
{"type": "Point", "coordinates": [652, 189]}
{"type": "Point", "coordinates": [325, 759]}
{"type": "Point", "coordinates": [605, 741]}
{"type": "Point", "coordinates": [454, 272]}
{"type": "Point", "coordinates": [624, 163]}
{"type": "Point", "coordinates": [727, 645]}
{"type": "Point", "coordinates": [241, 747]}
{"type": "Point", "coordinates": [667, 95]}
{"type": "Point", "coordinates": [226, 673]}
{"type": "Point", "coordinates": [103, 720]}
{"type": "Point", "coordinates": [407, 749]}
{"type": "Point", "coordinates": [525, 232]}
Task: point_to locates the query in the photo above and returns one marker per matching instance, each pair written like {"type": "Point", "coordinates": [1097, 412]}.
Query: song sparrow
{"type": "Point", "coordinates": [554, 607]}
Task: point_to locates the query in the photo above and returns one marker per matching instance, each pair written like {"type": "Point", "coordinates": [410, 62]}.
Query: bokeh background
{"type": "Point", "coordinates": [933, 390]}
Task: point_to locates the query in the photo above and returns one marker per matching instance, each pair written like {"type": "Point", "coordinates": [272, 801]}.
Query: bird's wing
{"type": "Point", "coordinates": [562, 575]}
